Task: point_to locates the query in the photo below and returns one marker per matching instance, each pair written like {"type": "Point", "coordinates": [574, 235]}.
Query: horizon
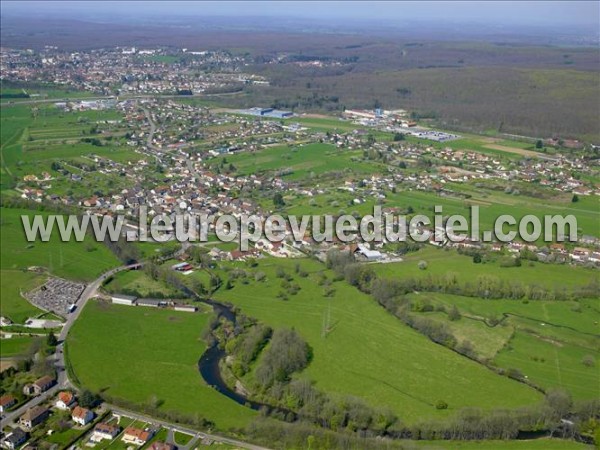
{"type": "Point", "coordinates": [496, 13]}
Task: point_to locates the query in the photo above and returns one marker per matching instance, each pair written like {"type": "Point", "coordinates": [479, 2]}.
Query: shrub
{"type": "Point", "coordinates": [588, 361]}
{"type": "Point", "coordinates": [441, 404]}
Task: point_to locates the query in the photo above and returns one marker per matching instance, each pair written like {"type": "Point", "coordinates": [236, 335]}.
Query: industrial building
{"type": "Point", "coordinates": [267, 112]}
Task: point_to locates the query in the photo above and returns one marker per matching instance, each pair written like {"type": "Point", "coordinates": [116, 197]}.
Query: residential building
{"type": "Point", "coordinates": [136, 436]}
{"type": "Point", "coordinates": [105, 431]}
{"type": "Point", "coordinates": [34, 416]}
{"type": "Point", "coordinates": [65, 400]}
{"type": "Point", "coordinates": [43, 384]}
{"type": "Point", "coordinates": [15, 439]}
{"type": "Point", "coordinates": [82, 416]}
{"type": "Point", "coordinates": [6, 401]}
{"type": "Point", "coordinates": [161, 446]}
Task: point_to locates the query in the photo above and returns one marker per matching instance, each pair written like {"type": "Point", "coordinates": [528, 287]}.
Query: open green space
{"type": "Point", "coordinates": [554, 344]}
{"type": "Point", "coordinates": [147, 353]}
{"type": "Point", "coordinates": [449, 263]}
{"type": "Point", "coordinates": [11, 92]}
{"type": "Point", "coordinates": [16, 345]}
{"type": "Point", "coordinates": [535, 444]}
{"type": "Point", "coordinates": [12, 284]}
{"type": "Point", "coordinates": [73, 260]}
{"type": "Point", "coordinates": [138, 281]}
{"type": "Point", "coordinates": [300, 162]}
{"type": "Point", "coordinates": [359, 349]}
{"type": "Point", "coordinates": [182, 438]}
{"type": "Point", "coordinates": [37, 138]}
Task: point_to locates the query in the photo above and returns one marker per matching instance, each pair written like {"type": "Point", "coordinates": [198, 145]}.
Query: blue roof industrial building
{"type": "Point", "coordinates": [267, 112]}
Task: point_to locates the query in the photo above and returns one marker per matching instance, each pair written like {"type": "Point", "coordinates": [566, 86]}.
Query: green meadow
{"type": "Point", "coordinates": [33, 138]}
{"type": "Point", "coordinates": [449, 263]}
{"type": "Point", "coordinates": [537, 444]}
{"type": "Point", "coordinates": [137, 280]}
{"type": "Point", "coordinates": [146, 353]}
{"type": "Point", "coordinates": [364, 351]}
{"type": "Point", "coordinates": [16, 345]}
{"type": "Point", "coordinates": [74, 260]}
{"type": "Point", "coordinates": [80, 261]}
{"type": "Point", "coordinates": [547, 341]}
{"type": "Point", "coordinates": [38, 91]}
{"type": "Point", "coordinates": [301, 161]}
{"type": "Point", "coordinates": [12, 284]}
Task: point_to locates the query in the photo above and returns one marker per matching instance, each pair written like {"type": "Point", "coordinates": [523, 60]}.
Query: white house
{"type": "Point", "coordinates": [65, 400]}
{"type": "Point", "coordinates": [82, 416]}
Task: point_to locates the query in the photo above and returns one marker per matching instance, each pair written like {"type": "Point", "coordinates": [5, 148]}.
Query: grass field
{"type": "Point", "coordinates": [537, 444]}
{"type": "Point", "coordinates": [368, 353]}
{"type": "Point", "coordinates": [443, 262]}
{"type": "Point", "coordinates": [492, 204]}
{"type": "Point", "coordinates": [16, 345]}
{"type": "Point", "coordinates": [34, 138]}
{"type": "Point", "coordinates": [137, 353]}
{"type": "Point", "coordinates": [138, 281]}
{"type": "Point", "coordinates": [300, 161]}
{"type": "Point", "coordinates": [545, 340]}
{"type": "Point", "coordinates": [73, 260]}
{"type": "Point", "coordinates": [13, 305]}
{"type": "Point", "coordinates": [39, 91]}
{"type": "Point", "coordinates": [182, 438]}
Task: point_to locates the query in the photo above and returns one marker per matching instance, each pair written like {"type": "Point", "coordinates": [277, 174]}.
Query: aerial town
{"type": "Point", "coordinates": [466, 338]}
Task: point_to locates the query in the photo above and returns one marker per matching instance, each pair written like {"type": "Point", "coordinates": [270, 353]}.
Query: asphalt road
{"type": "Point", "coordinates": [190, 431]}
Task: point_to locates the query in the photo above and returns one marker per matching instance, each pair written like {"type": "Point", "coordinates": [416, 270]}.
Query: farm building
{"type": "Point", "coordinates": [182, 267]}
{"type": "Point", "coordinates": [185, 308]}
{"type": "Point", "coordinates": [120, 299]}
{"type": "Point", "coordinates": [367, 254]}
{"type": "Point", "coordinates": [152, 302]}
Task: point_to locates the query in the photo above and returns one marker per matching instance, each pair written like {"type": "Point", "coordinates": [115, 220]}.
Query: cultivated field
{"type": "Point", "coordinates": [33, 138]}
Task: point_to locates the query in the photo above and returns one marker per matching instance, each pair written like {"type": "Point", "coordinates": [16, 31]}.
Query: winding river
{"type": "Point", "coordinates": [208, 365]}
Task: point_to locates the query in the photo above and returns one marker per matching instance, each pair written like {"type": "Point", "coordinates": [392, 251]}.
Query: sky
{"type": "Point", "coordinates": [551, 13]}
